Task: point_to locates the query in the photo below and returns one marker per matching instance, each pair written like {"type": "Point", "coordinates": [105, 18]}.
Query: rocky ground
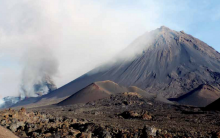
{"type": "Point", "coordinates": [126, 115]}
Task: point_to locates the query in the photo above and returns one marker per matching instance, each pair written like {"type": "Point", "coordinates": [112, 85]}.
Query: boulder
{"type": "Point", "coordinates": [150, 130]}
{"type": "Point", "coordinates": [146, 116]}
{"type": "Point", "coordinates": [130, 114]}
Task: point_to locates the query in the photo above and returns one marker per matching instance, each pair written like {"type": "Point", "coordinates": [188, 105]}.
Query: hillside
{"type": "Point", "coordinates": [201, 96]}
{"type": "Point", "coordinates": [103, 89]}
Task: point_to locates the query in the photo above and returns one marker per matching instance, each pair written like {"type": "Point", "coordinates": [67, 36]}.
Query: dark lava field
{"type": "Point", "coordinates": [126, 115]}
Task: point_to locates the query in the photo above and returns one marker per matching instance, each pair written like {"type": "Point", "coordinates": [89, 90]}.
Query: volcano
{"type": "Point", "coordinates": [163, 61]}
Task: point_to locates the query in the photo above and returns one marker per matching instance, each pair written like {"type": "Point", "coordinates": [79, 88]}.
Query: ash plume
{"type": "Point", "coordinates": [40, 66]}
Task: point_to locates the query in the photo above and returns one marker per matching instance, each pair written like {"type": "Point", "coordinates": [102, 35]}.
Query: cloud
{"type": "Point", "coordinates": [9, 81]}
{"type": "Point", "coordinates": [82, 34]}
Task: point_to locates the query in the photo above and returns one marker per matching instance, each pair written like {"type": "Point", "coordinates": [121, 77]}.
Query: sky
{"type": "Point", "coordinates": [83, 34]}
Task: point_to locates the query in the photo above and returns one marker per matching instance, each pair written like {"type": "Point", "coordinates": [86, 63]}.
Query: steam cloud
{"type": "Point", "coordinates": [40, 66]}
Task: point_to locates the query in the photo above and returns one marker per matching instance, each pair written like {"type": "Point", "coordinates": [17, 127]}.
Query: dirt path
{"type": "Point", "coordinates": [4, 133]}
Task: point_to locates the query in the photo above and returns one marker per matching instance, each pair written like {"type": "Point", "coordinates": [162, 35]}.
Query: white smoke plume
{"type": "Point", "coordinates": [40, 66]}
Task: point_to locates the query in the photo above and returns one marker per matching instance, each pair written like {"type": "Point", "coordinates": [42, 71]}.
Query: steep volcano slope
{"type": "Point", "coordinates": [102, 89]}
{"type": "Point", "coordinates": [201, 96]}
{"type": "Point", "coordinates": [162, 61]}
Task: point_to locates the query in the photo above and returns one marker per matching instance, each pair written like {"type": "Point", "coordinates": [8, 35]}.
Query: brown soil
{"type": "Point", "coordinates": [4, 133]}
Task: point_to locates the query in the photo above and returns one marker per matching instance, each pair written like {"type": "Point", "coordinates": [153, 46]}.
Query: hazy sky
{"type": "Point", "coordinates": [82, 34]}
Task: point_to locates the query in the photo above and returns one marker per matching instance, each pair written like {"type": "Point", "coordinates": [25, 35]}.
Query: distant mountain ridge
{"type": "Point", "coordinates": [162, 61]}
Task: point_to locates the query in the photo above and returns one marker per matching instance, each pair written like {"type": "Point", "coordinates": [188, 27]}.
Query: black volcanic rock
{"type": "Point", "coordinates": [161, 61]}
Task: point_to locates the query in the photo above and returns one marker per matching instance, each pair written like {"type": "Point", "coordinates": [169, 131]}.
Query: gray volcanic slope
{"type": "Point", "coordinates": [161, 61]}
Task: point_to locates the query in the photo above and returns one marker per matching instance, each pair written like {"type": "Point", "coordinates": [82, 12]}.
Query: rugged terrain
{"type": "Point", "coordinates": [123, 115]}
